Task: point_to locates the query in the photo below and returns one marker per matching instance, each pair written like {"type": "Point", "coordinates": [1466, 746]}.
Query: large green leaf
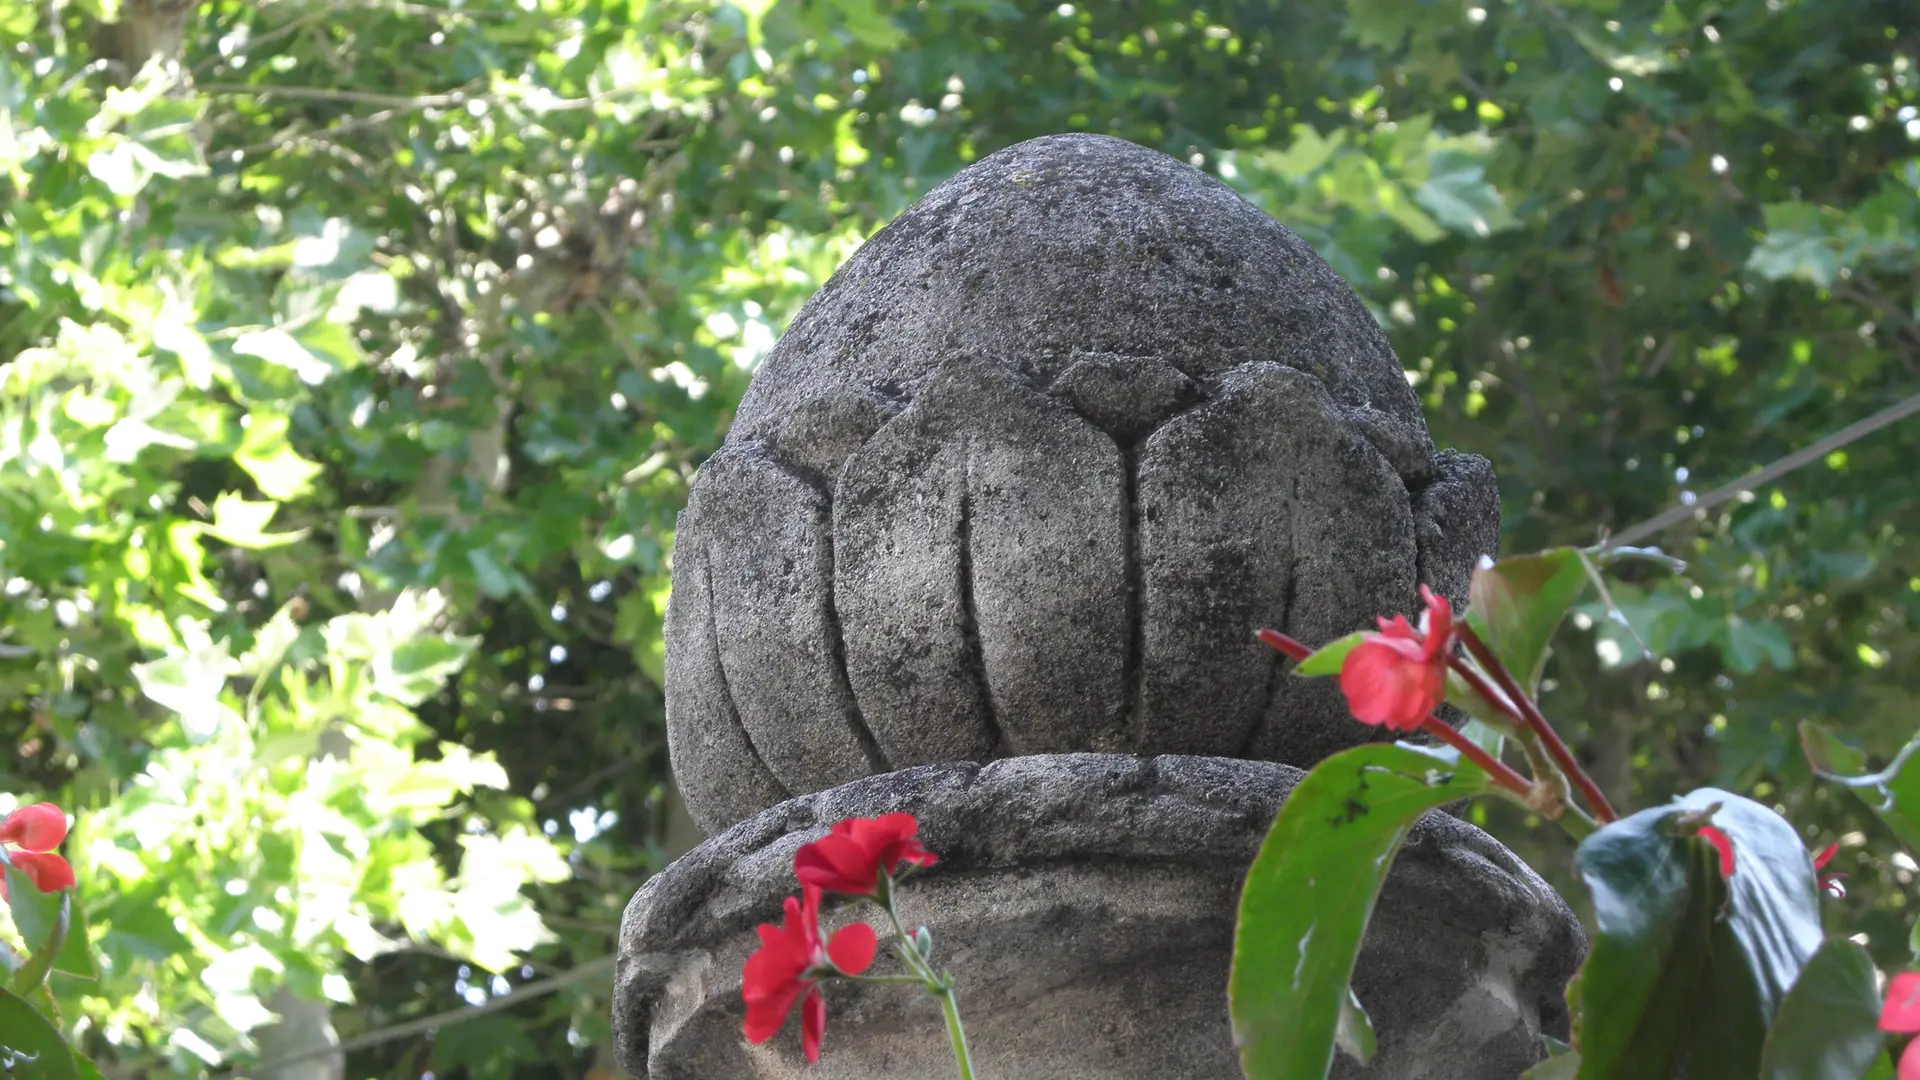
{"type": "Point", "coordinates": [43, 920]}
{"type": "Point", "coordinates": [39, 1051]}
{"type": "Point", "coordinates": [1893, 793]}
{"type": "Point", "coordinates": [47, 945]}
{"type": "Point", "coordinates": [1311, 891]}
{"type": "Point", "coordinates": [1688, 969]}
{"type": "Point", "coordinates": [1518, 602]}
{"type": "Point", "coordinates": [1828, 1028]}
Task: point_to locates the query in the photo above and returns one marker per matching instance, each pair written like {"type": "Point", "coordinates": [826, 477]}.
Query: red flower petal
{"type": "Point", "coordinates": [1910, 1061]}
{"type": "Point", "coordinates": [1722, 844]}
{"type": "Point", "coordinates": [1826, 855]}
{"type": "Point", "coordinates": [49, 873]}
{"type": "Point", "coordinates": [773, 978]}
{"type": "Point", "coordinates": [1436, 624]}
{"type": "Point", "coordinates": [1388, 681]}
{"type": "Point", "coordinates": [852, 948]}
{"type": "Point", "coordinates": [838, 863]}
{"type": "Point", "coordinates": [765, 1015]}
{"type": "Point", "coordinates": [1397, 628]}
{"type": "Point", "coordinates": [813, 1024]}
{"type": "Point", "coordinates": [851, 857]}
{"type": "Point", "coordinates": [39, 827]}
{"type": "Point", "coordinates": [1901, 1011]}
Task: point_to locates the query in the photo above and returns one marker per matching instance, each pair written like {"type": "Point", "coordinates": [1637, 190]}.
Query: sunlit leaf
{"type": "Point", "coordinates": [1518, 603]}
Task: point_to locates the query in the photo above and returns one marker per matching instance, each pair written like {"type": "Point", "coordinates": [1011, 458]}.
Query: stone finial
{"type": "Point", "coordinates": [1085, 904]}
{"type": "Point", "coordinates": [1028, 472]}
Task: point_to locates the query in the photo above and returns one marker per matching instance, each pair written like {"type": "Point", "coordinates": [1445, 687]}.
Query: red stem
{"type": "Point", "coordinates": [1501, 774]}
{"type": "Point", "coordinates": [1535, 722]}
{"type": "Point", "coordinates": [1297, 650]}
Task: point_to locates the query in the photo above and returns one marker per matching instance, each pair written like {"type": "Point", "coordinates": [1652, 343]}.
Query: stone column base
{"type": "Point", "coordinates": [1085, 905]}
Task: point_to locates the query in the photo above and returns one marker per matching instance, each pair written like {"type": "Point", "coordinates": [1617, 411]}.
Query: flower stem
{"type": "Point", "coordinates": [1501, 774]}
{"type": "Point", "coordinates": [883, 980]}
{"type": "Point", "coordinates": [939, 986]}
{"type": "Point", "coordinates": [956, 1034]}
{"type": "Point", "coordinates": [1530, 716]}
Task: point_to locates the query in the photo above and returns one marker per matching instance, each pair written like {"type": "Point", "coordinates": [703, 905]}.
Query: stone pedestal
{"type": "Point", "coordinates": [1016, 488]}
{"type": "Point", "coordinates": [1085, 904]}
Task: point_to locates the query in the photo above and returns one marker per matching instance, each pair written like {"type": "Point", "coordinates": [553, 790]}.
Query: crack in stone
{"type": "Point", "coordinates": [877, 758]}
{"type": "Point", "coordinates": [1279, 672]}
{"type": "Point", "coordinates": [1003, 746]}
{"type": "Point", "coordinates": [726, 685]}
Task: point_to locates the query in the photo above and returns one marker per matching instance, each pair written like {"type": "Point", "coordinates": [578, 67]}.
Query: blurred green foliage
{"type": "Point", "coordinates": [357, 355]}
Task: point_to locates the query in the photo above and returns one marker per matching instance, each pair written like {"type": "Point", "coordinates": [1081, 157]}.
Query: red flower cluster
{"type": "Point", "coordinates": [860, 853]}
{"type": "Point", "coordinates": [30, 834]}
{"type": "Point", "coordinates": [1398, 676]}
{"type": "Point", "coordinates": [858, 858]}
{"type": "Point", "coordinates": [1900, 1015]}
{"type": "Point", "coordinates": [788, 967]}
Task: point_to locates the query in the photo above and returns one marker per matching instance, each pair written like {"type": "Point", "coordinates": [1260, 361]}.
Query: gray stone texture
{"type": "Point", "coordinates": [1028, 472]}
{"type": "Point", "coordinates": [1085, 904]}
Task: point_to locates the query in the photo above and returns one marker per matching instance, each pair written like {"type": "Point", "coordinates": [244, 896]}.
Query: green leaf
{"type": "Point", "coordinates": [43, 920]}
{"type": "Point", "coordinates": [276, 346]}
{"type": "Point", "coordinates": [75, 957]}
{"type": "Point", "coordinates": [1519, 602]}
{"type": "Point", "coordinates": [1748, 644]}
{"type": "Point", "coordinates": [1326, 660]}
{"type": "Point", "coordinates": [48, 943]}
{"type": "Point", "coordinates": [1828, 1027]}
{"type": "Point", "coordinates": [1458, 195]}
{"type": "Point", "coordinates": [243, 524]}
{"type": "Point", "coordinates": [494, 580]}
{"type": "Point", "coordinates": [1558, 1067]}
{"type": "Point", "coordinates": [282, 474]}
{"type": "Point", "coordinates": [1354, 1033]}
{"type": "Point", "coordinates": [1311, 891]}
{"type": "Point", "coordinates": [40, 1052]}
{"type": "Point", "coordinates": [1688, 969]}
{"type": "Point", "coordinates": [415, 670]}
{"type": "Point", "coordinates": [1893, 793]}
{"type": "Point", "coordinates": [1798, 244]}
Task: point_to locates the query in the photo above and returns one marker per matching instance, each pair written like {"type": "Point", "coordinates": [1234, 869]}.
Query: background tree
{"type": "Point", "coordinates": [357, 356]}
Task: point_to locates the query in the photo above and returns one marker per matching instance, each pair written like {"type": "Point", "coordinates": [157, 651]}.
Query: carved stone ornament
{"type": "Point", "coordinates": [987, 543]}
{"type": "Point", "coordinates": [1026, 475]}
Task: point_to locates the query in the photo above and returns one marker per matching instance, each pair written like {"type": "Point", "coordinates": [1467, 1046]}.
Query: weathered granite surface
{"type": "Point", "coordinates": [1085, 904]}
{"type": "Point", "coordinates": [1026, 474]}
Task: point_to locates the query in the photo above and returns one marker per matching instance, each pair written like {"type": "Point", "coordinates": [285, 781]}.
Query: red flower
{"type": "Point", "coordinates": [789, 964]}
{"type": "Point", "coordinates": [1829, 883]}
{"type": "Point", "coordinates": [1399, 675]}
{"type": "Point", "coordinates": [852, 858]}
{"type": "Point", "coordinates": [1722, 844]}
{"type": "Point", "coordinates": [30, 834]}
{"type": "Point", "coordinates": [1900, 1015]}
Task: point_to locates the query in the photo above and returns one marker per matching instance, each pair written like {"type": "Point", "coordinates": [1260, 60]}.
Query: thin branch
{"type": "Point", "coordinates": [426, 1024]}
{"type": "Point", "coordinates": [327, 93]}
{"type": "Point", "coordinates": [1674, 515]}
